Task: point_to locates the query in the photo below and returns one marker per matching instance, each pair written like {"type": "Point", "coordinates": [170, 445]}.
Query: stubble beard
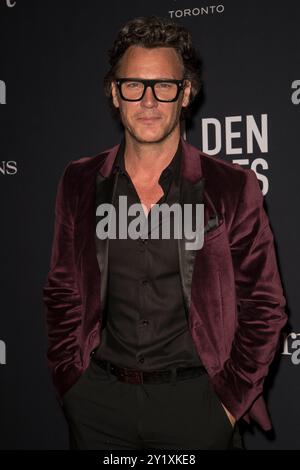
{"type": "Point", "coordinates": [164, 135]}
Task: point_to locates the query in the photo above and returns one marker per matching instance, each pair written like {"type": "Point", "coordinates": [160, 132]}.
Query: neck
{"type": "Point", "coordinates": [145, 161]}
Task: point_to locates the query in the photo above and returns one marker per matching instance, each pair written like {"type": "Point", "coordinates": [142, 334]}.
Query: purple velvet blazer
{"type": "Point", "coordinates": [231, 286]}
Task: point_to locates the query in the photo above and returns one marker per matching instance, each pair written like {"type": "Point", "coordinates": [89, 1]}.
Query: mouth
{"type": "Point", "coordinates": [148, 120]}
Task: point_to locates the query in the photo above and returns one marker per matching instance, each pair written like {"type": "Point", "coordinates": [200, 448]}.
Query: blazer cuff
{"type": "Point", "coordinates": [236, 395]}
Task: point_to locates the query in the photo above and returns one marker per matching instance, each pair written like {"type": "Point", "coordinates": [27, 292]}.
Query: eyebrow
{"type": "Point", "coordinates": [153, 79]}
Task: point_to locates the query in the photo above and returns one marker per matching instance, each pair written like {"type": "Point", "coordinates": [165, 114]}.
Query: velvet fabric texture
{"type": "Point", "coordinates": [231, 286]}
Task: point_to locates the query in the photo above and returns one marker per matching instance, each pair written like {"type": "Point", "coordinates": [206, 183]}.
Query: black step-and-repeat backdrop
{"type": "Point", "coordinates": [53, 110]}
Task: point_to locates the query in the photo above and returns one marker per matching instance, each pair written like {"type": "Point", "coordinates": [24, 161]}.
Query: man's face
{"type": "Point", "coordinates": [149, 120]}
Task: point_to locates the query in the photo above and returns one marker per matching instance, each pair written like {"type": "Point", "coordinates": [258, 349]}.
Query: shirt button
{"type": "Point", "coordinates": [143, 244]}
{"type": "Point", "coordinates": [145, 322]}
{"type": "Point", "coordinates": [141, 359]}
{"type": "Point", "coordinates": [145, 282]}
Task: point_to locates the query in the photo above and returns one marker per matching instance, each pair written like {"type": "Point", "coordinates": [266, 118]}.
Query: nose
{"type": "Point", "coordinates": [149, 100]}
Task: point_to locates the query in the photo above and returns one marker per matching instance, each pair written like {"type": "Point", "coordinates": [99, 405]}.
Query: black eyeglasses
{"type": "Point", "coordinates": [133, 89]}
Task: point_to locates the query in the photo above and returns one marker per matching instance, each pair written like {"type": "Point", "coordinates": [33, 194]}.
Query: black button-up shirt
{"type": "Point", "coordinates": [145, 325]}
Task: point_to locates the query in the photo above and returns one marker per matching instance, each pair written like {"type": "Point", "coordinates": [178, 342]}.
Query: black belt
{"type": "Point", "coordinates": [134, 376]}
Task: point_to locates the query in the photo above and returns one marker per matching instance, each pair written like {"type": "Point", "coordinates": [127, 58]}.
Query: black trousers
{"type": "Point", "coordinates": [104, 413]}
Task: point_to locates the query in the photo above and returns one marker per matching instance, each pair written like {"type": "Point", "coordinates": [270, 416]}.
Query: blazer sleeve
{"type": "Point", "coordinates": [260, 301]}
{"type": "Point", "coordinates": [61, 294]}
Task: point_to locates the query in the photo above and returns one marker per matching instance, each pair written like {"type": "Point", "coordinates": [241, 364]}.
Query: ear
{"type": "Point", "coordinates": [186, 94]}
{"type": "Point", "coordinates": [114, 94]}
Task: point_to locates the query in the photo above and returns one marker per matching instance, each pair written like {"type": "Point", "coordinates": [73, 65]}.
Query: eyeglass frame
{"type": "Point", "coordinates": [150, 83]}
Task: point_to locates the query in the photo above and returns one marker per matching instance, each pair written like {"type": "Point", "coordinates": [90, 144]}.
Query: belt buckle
{"type": "Point", "coordinates": [137, 376]}
{"type": "Point", "coordinates": [132, 376]}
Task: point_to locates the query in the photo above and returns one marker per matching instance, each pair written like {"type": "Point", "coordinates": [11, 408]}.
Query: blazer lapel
{"type": "Point", "coordinates": [106, 183]}
{"type": "Point", "coordinates": [191, 192]}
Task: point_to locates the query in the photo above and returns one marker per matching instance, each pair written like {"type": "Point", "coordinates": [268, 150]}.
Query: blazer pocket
{"type": "Point", "coordinates": [74, 386]}
{"type": "Point", "coordinates": [213, 231]}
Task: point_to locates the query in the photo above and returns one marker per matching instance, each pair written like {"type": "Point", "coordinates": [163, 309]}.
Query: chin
{"type": "Point", "coordinates": [150, 137]}
{"type": "Point", "coordinates": [150, 140]}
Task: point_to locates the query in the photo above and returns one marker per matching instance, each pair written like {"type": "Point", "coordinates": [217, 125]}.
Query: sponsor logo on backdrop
{"type": "Point", "coordinates": [296, 94]}
{"type": "Point", "coordinates": [2, 352]}
{"type": "Point", "coordinates": [291, 347]}
{"type": "Point", "coordinates": [8, 167]}
{"type": "Point", "coordinates": [201, 11]}
{"type": "Point", "coordinates": [10, 3]}
{"type": "Point", "coordinates": [239, 135]}
{"type": "Point", "coordinates": [2, 92]}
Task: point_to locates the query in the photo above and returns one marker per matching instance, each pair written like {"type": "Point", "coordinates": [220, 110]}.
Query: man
{"type": "Point", "coordinates": [153, 344]}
